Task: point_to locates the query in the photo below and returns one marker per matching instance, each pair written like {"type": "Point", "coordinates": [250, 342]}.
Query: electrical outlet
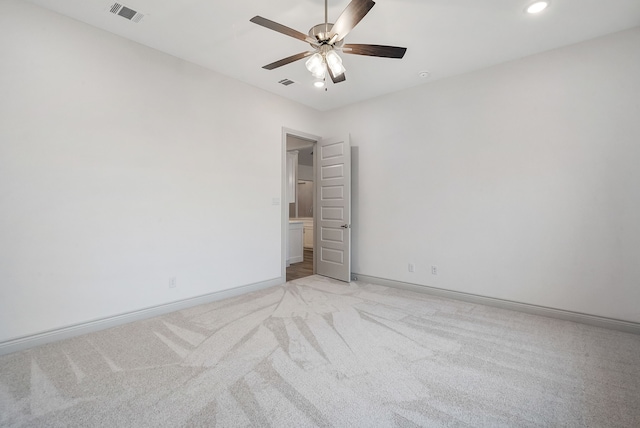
{"type": "Point", "coordinates": [173, 281]}
{"type": "Point", "coordinates": [411, 267]}
{"type": "Point", "coordinates": [434, 270]}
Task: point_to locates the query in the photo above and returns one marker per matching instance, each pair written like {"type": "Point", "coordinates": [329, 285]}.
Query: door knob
{"type": "Point", "coordinates": [345, 226]}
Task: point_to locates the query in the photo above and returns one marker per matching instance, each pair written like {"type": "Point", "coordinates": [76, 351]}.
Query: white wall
{"type": "Point", "coordinates": [305, 172]}
{"type": "Point", "coordinates": [121, 167]}
{"type": "Point", "coordinates": [518, 182]}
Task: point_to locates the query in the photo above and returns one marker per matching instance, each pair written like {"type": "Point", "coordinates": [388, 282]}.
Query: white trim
{"type": "Point", "coordinates": [594, 320]}
{"type": "Point", "coordinates": [26, 342]}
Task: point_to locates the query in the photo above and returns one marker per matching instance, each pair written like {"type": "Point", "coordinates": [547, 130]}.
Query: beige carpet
{"type": "Point", "coordinates": [320, 353]}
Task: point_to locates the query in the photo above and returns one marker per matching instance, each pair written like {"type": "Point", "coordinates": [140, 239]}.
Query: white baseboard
{"type": "Point", "coordinates": [610, 323]}
{"type": "Point", "coordinates": [26, 342]}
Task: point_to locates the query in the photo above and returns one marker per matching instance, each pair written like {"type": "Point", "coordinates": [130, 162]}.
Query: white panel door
{"type": "Point", "coordinates": [333, 208]}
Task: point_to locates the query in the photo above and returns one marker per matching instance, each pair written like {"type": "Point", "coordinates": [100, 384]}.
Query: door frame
{"type": "Point", "coordinates": [285, 205]}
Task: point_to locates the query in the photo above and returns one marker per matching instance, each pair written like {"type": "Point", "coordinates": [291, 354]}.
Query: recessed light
{"type": "Point", "coordinates": [318, 83]}
{"type": "Point", "coordinates": [537, 7]}
{"type": "Point", "coordinates": [424, 74]}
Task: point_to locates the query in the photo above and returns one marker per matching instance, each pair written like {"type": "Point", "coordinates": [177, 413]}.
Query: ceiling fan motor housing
{"type": "Point", "coordinates": [322, 33]}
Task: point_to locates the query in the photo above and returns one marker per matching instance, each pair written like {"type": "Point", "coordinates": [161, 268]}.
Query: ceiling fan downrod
{"type": "Point", "coordinates": [326, 16]}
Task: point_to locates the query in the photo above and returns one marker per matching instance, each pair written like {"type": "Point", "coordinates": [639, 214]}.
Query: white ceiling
{"type": "Point", "coordinates": [444, 37]}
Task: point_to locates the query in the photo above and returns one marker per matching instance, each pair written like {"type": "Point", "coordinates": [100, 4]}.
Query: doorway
{"type": "Point", "coordinates": [299, 204]}
{"type": "Point", "coordinates": [331, 209]}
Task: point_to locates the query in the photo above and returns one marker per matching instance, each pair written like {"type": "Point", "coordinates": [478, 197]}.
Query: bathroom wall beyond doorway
{"type": "Point", "coordinates": [303, 205]}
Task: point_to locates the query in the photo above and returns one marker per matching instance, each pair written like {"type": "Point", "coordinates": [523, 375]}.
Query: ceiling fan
{"type": "Point", "coordinates": [327, 38]}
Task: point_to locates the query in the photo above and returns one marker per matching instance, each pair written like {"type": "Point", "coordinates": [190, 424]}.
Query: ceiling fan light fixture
{"type": "Point", "coordinates": [335, 63]}
{"type": "Point", "coordinates": [338, 69]}
{"type": "Point", "coordinates": [320, 75]}
{"type": "Point", "coordinates": [315, 64]}
{"type": "Point", "coordinates": [537, 7]}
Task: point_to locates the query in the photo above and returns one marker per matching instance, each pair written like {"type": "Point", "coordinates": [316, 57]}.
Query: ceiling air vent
{"type": "Point", "coordinates": [286, 82]}
{"type": "Point", "coordinates": [125, 12]}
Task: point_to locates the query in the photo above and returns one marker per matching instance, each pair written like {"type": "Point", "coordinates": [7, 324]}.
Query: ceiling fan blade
{"type": "Point", "coordinates": [287, 60]}
{"type": "Point", "coordinates": [267, 23]}
{"type": "Point", "coordinates": [374, 50]}
{"type": "Point", "coordinates": [336, 79]}
{"type": "Point", "coordinates": [354, 12]}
